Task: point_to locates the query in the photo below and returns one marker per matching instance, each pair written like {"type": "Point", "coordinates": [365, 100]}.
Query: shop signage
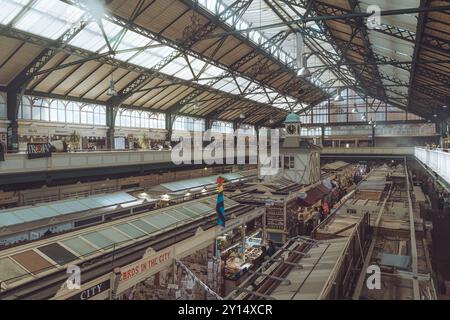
{"type": "Point", "coordinates": [144, 268]}
{"type": "Point", "coordinates": [39, 150]}
{"type": "Point", "coordinates": [92, 291]}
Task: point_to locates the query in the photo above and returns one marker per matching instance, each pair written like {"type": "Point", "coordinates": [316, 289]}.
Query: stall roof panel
{"type": "Point", "coordinates": [9, 217]}
{"type": "Point", "coordinates": [86, 243]}
{"type": "Point", "coordinates": [199, 182]}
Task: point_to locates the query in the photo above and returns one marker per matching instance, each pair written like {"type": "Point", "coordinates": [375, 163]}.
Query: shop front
{"type": "Point", "coordinates": [241, 249]}
{"type": "Point", "coordinates": [79, 137]}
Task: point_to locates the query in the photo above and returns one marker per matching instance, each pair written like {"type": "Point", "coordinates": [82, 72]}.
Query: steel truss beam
{"type": "Point", "coordinates": [21, 81]}
{"type": "Point", "coordinates": [234, 11]}
{"type": "Point", "coordinates": [259, 50]}
{"type": "Point", "coordinates": [145, 73]}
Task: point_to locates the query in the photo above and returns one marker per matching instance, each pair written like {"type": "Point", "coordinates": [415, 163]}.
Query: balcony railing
{"type": "Point", "coordinates": [19, 162]}
{"type": "Point", "coordinates": [397, 151]}
{"type": "Point", "coordinates": [436, 160]}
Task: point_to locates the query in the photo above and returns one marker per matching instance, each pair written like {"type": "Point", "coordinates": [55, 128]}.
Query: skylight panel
{"type": "Point", "coordinates": [151, 57]}
{"type": "Point", "coordinates": [49, 18]}
{"type": "Point", "coordinates": [271, 94]}
{"type": "Point", "coordinates": [258, 97]}
{"type": "Point", "coordinates": [213, 71]}
{"type": "Point", "coordinates": [227, 85]}
{"type": "Point", "coordinates": [131, 40]}
{"type": "Point", "coordinates": [10, 9]}
{"type": "Point", "coordinates": [175, 66]}
{"type": "Point", "coordinates": [91, 37]}
{"type": "Point", "coordinates": [184, 73]}
{"type": "Point", "coordinates": [242, 82]}
{"type": "Point", "coordinates": [196, 64]}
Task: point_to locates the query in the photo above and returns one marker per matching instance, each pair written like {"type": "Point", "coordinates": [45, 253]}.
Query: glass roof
{"type": "Point", "coordinates": [10, 217]}
{"type": "Point", "coordinates": [49, 18]}
{"type": "Point", "coordinates": [53, 18]}
{"type": "Point", "coordinates": [10, 8]}
{"type": "Point", "coordinates": [91, 37]}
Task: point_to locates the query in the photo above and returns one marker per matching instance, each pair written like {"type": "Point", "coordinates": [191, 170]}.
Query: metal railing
{"type": "Point", "coordinates": [437, 160]}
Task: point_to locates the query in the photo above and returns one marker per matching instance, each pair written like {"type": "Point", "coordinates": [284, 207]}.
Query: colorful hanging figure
{"type": "Point", "coordinates": [220, 208]}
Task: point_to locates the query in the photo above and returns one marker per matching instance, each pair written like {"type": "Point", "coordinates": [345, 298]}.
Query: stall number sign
{"type": "Point", "coordinates": [39, 150]}
{"type": "Point", "coordinates": [135, 272]}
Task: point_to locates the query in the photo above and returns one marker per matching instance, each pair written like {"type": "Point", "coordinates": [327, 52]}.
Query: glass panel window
{"type": "Point", "coordinates": [189, 124]}
{"type": "Point", "coordinates": [49, 18]}
{"type": "Point", "coordinates": [158, 121]}
{"type": "Point", "coordinates": [61, 111]}
{"type": "Point", "coordinates": [222, 127]}
{"type": "Point", "coordinates": [100, 115]}
{"type": "Point", "coordinates": [10, 8]}
{"type": "Point", "coordinates": [91, 37]}
{"type": "Point", "coordinates": [2, 107]}
{"type": "Point", "coordinates": [87, 115]}
{"type": "Point", "coordinates": [54, 111]}
{"type": "Point", "coordinates": [25, 112]}
{"type": "Point", "coordinates": [72, 112]}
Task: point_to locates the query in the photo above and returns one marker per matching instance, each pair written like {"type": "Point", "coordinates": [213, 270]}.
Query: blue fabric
{"type": "Point", "coordinates": [220, 209]}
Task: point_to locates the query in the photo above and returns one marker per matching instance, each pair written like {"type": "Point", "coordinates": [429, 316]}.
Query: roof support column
{"type": "Point", "coordinates": [373, 136]}
{"type": "Point", "coordinates": [169, 125]}
{"type": "Point", "coordinates": [208, 124]}
{"type": "Point", "coordinates": [12, 109]}
{"type": "Point", "coordinates": [111, 113]}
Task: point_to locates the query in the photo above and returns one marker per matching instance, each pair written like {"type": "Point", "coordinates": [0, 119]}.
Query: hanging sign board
{"type": "Point", "coordinates": [142, 269]}
{"type": "Point", "coordinates": [92, 291]}
{"type": "Point", "coordinates": [39, 150]}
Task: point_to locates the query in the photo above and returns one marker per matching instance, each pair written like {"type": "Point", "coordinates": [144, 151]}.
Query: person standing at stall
{"type": "Point", "coordinates": [325, 208]}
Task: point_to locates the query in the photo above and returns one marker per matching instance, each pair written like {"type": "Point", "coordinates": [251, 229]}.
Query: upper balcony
{"type": "Point", "coordinates": [437, 160]}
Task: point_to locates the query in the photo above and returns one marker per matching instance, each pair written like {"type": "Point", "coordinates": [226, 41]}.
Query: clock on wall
{"type": "Point", "coordinates": [291, 129]}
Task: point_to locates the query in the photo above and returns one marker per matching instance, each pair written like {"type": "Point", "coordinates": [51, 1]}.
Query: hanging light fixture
{"type": "Point", "coordinates": [271, 120]}
{"type": "Point", "coordinates": [112, 86]}
{"type": "Point", "coordinates": [112, 89]}
{"type": "Point", "coordinates": [370, 121]}
{"type": "Point", "coordinates": [302, 63]}
{"type": "Point", "coordinates": [363, 118]}
{"type": "Point", "coordinates": [355, 109]}
{"type": "Point", "coordinates": [304, 71]}
{"type": "Point", "coordinates": [242, 115]}
{"type": "Point", "coordinates": [338, 97]}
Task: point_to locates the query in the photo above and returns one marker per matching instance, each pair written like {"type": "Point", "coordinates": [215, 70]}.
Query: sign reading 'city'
{"type": "Point", "coordinates": [39, 150]}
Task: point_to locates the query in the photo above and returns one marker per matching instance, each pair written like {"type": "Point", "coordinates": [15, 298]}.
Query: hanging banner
{"type": "Point", "coordinates": [220, 207]}
{"type": "Point", "coordinates": [39, 150]}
